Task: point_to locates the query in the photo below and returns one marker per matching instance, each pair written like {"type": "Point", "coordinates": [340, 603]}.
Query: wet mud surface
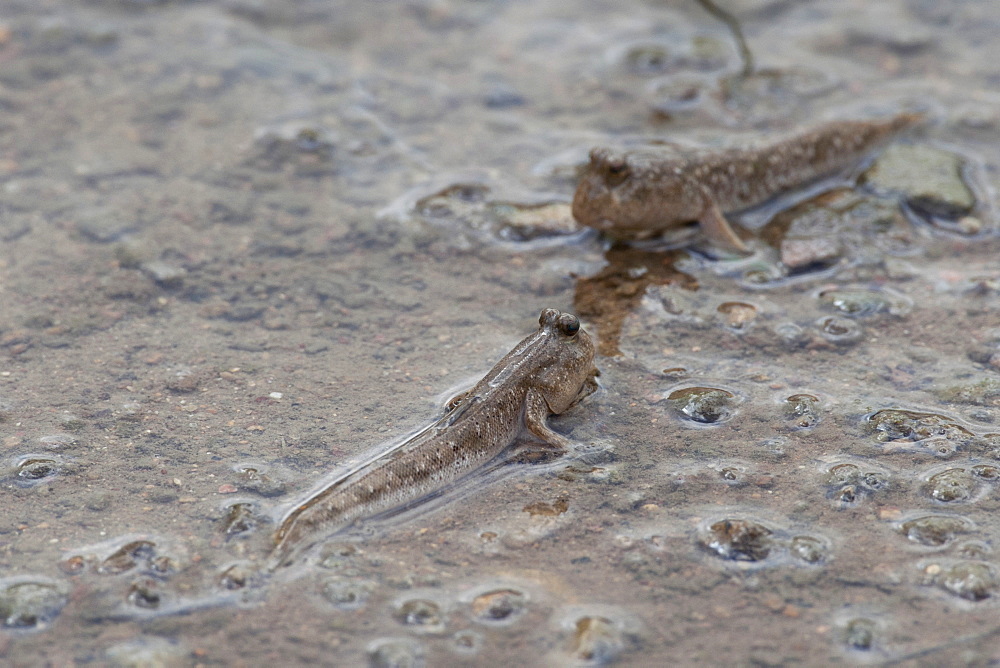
{"type": "Point", "coordinates": [244, 245]}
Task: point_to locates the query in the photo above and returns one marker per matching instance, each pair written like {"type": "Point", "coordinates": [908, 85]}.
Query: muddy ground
{"type": "Point", "coordinates": [243, 244]}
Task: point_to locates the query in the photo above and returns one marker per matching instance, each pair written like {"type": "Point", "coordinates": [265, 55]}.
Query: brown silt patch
{"type": "Point", "coordinates": [611, 294]}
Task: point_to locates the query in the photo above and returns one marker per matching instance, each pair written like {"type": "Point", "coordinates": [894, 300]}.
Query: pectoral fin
{"type": "Point", "coordinates": [717, 228]}
{"type": "Point", "coordinates": [535, 416]}
{"type": "Point", "coordinates": [589, 387]}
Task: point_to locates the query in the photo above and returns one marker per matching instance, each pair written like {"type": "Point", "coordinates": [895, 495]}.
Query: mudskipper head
{"type": "Point", "coordinates": [594, 203]}
{"type": "Point", "coordinates": [566, 368]}
{"type": "Point", "coordinates": [623, 193]}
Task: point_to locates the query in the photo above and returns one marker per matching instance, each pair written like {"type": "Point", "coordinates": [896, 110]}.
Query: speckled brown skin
{"type": "Point", "coordinates": [546, 373]}
{"type": "Point", "coordinates": [641, 193]}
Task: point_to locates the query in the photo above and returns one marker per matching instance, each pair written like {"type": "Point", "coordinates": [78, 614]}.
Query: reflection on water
{"type": "Point", "coordinates": [610, 295]}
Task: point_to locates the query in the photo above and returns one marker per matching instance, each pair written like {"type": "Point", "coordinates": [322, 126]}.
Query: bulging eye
{"type": "Point", "coordinates": [569, 324]}
{"type": "Point", "coordinates": [615, 171]}
{"type": "Point", "coordinates": [611, 165]}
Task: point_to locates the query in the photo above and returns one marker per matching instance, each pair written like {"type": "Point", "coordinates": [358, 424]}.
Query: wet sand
{"type": "Point", "coordinates": [243, 244]}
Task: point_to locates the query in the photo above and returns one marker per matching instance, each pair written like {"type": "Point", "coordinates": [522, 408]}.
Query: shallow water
{"type": "Point", "coordinates": [245, 243]}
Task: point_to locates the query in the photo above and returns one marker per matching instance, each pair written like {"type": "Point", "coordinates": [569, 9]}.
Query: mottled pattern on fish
{"type": "Point", "coordinates": [640, 193]}
{"type": "Point", "coordinates": [546, 373]}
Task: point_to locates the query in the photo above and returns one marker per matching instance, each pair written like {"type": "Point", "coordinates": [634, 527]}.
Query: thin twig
{"type": "Point", "coordinates": [734, 27]}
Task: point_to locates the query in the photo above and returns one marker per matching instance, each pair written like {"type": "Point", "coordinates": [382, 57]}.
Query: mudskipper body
{"type": "Point", "coordinates": [545, 373]}
{"type": "Point", "coordinates": [641, 193]}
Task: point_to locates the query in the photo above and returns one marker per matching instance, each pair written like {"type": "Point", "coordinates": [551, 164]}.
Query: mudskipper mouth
{"type": "Point", "coordinates": [607, 225]}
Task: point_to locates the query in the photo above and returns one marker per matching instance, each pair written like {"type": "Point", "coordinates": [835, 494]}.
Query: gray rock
{"type": "Point", "coordinates": [930, 179]}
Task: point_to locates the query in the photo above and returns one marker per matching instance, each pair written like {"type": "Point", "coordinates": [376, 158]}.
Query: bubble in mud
{"type": "Point", "coordinates": [973, 549]}
{"type": "Point", "coordinates": [73, 564]}
{"type": "Point", "coordinates": [338, 557]}
{"type": "Point", "coordinates": [27, 602]}
{"type": "Point", "coordinates": [843, 474]}
{"type": "Point", "coordinates": [596, 640]}
{"type": "Point", "coordinates": [737, 316]}
{"type": "Point", "coordinates": [934, 530]}
{"type": "Point", "coordinates": [985, 472]}
{"type": "Point", "coordinates": [499, 605]}
{"type": "Point", "coordinates": [791, 334]}
{"type": "Point", "coordinates": [848, 495]}
{"type": "Point", "coordinates": [420, 613]}
{"type": "Point", "coordinates": [874, 481]}
{"type": "Point", "coordinates": [937, 434]}
{"type": "Point", "coordinates": [162, 565]}
{"type": "Point", "coordinates": [954, 485]}
{"type": "Point", "coordinates": [859, 634]}
{"type": "Point", "coordinates": [839, 331]}
{"type": "Point", "coordinates": [860, 303]}
{"type": "Point", "coordinates": [240, 518]}
{"type": "Point", "coordinates": [801, 411]}
{"type": "Point", "coordinates": [467, 642]}
{"type": "Point", "coordinates": [257, 480]}
{"type": "Point", "coordinates": [236, 577]}
{"type": "Point", "coordinates": [762, 273]}
{"type": "Point", "coordinates": [395, 653]}
{"type": "Point", "coordinates": [679, 94]}
{"type": "Point", "coordinates": [144, 593]}
{"type": "Point", "coordinates": [649, 58]}
{"type": "Point", "coordinates": [33, 468]}
{"type": "Point", "coordinates": [304, 145]}
{"type": "Point", "coordinates": [731, 475]}
{"type": "Point", "coordinates": [127, 557]}
{"type": "Point", "coordinates": [71, 422]}
{"type": "Point", "coordinates": [704, 405]}
{"type": "Point", "coordinates": [971, 580]}
{"type": "Point", "coordinates": [808, 549]}
{"type": "Point", "coordinates": [848, 484]}
{"type": "Point", "coordinates": [347, 595]}
{"type": "Point", "coordinates": [738, 540]}
{"type": "Point", "coordinates": [776, 447]}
